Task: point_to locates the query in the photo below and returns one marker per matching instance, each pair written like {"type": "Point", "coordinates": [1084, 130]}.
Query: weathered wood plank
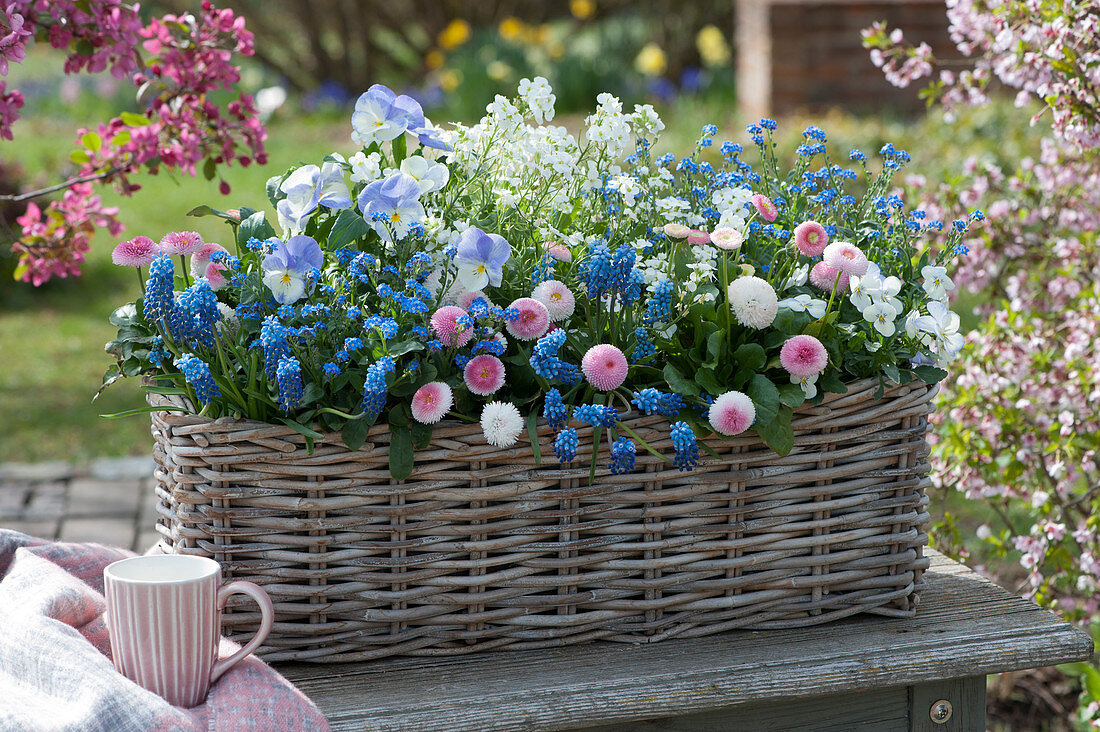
{"type": "Point", "coordinates": [966, 698]}
{"type": "Point", "coordinates": [882, 710]}
{"type": "Point", "coordinates": [965, 627]}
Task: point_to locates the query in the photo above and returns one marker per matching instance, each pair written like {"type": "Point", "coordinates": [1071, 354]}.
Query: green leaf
{"type": "Point", "coordinates": [92, 141]}
{"type": "Point", "coordinates": [705, 378]}
{"type": "Point", "coordinates": [792, 395]}
{"type": "Point", "coordinates": [533, 434]}
{"type": "Point", "coordinates": [143, 410]}
{"type": "Point", "coordinates": [79, 157]}
{"type": "Point", "coordinates": [765, 397]}
{"type": "Point", "coordinates": [124, 315]}
{"type": "Point", "coordinates": [254, 226]}
{"type": "Point", "coordinates": [678, 383]}
{"type": "Point", "coordinates": [830, 383]}
{"type": "Point", "coordinates": [778, 434]}
{"type": "Point", "coordinates": [301, 428]}
{"type": "Point", "coordinates": [930, 375]}
{"type": "Point", "coordinates": [891, 372]}
{"type": "Point", "coordinates": [209, 169]}
{"type": "Point", "coordinates": [401, 452]}
{"type": "Point", "coordinates": [134, 120]}
{"type": "Point", "coordinates": [199, 211]}
{"type": "Point", "coordinates": [400, 349]}
{"type": "Point", "coordinates": [716, 342]}
{"type": "Point", "coordinates": [750, 356]}
{"type": "Point", "coordinates": [400, 149]}
{"type": "Point", "coordinates": [349, 226]}
{"type": "Point", "coordinates": [421, 434]}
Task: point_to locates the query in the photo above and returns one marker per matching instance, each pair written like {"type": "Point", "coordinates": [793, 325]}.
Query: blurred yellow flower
{"type": "Point", "coordinates": [651, 60]}
{"type": "Point", "coordinates": [498, 71]}
{"type": "Point", "coordinates": [712, 46]}
{"type": "Point", "coordinates": [511, 28]}
{"type": "Point", "coordinates": [542, 34]}
{"type": "Point", "coordinates": [449, 80]}
{"type": "Point", "coordinates": [454, 35]}
{"type": "Point", "coordinates": [582, 9]}
{"type": "Point", "coordinates": [555, 49]}
{"type": "Point", "coordinates": [434, 58]}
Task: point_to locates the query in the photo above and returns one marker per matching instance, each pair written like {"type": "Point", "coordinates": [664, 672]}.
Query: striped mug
{"type": "Point", "coordinates": [164, 620]}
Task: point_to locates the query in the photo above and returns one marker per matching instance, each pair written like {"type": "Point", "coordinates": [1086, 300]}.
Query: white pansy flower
{"type": "Point", "coordinates": [805, 304]}
{"type": "Point", "coordinates": [798, 277]}
{"type": "Point", "coordinates": [943, 326]}
{"type": "Point", "coordinates": [936, 282]}
{"type": "Point", "coordinates": [882, 316]}
{"type": "Point", "coordinates": [808, 384]}
{"type": "Point", "coordinates": [430, 176]}
{"type": "Point", "coordinates": [911, 328]}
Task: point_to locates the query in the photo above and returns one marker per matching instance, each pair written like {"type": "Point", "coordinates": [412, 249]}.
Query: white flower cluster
{"type": "Point", "coordinates": [609, 128]}
{"type": "Point", "coordinates": [731, 204]}
{"type": "Point", "coordinates": [939, 330]}
{"type": "Point", "coordinates": [539, 98]}
{"type": "Point", "coordinates": [876, 298]}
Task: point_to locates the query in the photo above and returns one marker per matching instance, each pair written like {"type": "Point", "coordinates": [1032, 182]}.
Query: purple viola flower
{"type": "Point", "coordinates": [285, 268]}
{"type": "Point", "coordinates": [308, 187]}
{"type": "Point", "coordinates": [381, 116]}
{"type": "Point", "coordinates": [392, 205]}
{"type": "Point", "coordinates": [480, 258]}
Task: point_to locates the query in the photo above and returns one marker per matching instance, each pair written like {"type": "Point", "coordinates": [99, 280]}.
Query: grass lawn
{"type": "Point", "coordinates": [51, 338]}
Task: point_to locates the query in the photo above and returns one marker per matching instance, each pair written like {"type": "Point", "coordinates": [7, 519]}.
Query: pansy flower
{"type": "Point", "coordinates": [286, 267]}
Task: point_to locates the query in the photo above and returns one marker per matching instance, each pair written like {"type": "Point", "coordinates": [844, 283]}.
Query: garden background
{"type": "Point", "coordinates": [313, 59]}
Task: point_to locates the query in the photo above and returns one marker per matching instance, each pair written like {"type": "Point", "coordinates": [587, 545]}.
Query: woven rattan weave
{"type": "Point", "coordinates": [483, 549]}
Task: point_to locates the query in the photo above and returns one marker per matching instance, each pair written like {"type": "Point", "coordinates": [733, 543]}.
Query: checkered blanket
{"type": "Point", "coordinates": [55, 657]}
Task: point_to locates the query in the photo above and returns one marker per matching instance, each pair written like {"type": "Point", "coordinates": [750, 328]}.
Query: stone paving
{"type": "Point", "coordinates": [108, 501]}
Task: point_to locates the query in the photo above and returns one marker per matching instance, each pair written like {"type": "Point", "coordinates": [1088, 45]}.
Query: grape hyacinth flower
{"type": "Point", "coordinates": [274, 343]}
{"type": "Point", "coordinates": [307, 188]}
{"type": "Point", "coordinates": [199, 378]}
{"type": "Point", "coordinates": [501, 424]}
{"type": "Point", "coordinates": [285, 268]}
{"type": "Point", "coordinates": [160, 298]}
{"type": "Point", "coordinates": [289, 377]}
{"type": "Point", "coordinates": [554, 410]}
{"type": "Point", "coordinates": [686, 446]}
{"type": "Point", "coordinates": [596, 415]}
{"type": "Point", "coordinates": [565, 445]}
{"type": "Point", "coordinates": [622, 456]}
{"type": "Point", "coordinates": [391, 206]}
{"type": "Point", "coordinates": [480, 258]}
{"type": "Point", "coordinates": [431, 402]}
{"type": "Point", "coordinates": [731, 413]}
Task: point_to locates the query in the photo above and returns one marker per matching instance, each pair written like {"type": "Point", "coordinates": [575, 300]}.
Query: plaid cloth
{"type": "Point", "coordinates": [55, 658]}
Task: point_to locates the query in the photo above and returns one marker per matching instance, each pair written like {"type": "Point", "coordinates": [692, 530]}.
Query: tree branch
{"type": "Point", "coordinates": [62, 186]}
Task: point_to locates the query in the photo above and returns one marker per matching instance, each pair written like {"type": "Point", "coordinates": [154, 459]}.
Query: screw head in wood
{"type": "Point", "coordinates": [940, 711]}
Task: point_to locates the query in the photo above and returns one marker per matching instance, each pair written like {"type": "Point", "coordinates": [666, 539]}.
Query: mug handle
{"type": "Point", "coordinates": [267, 617]}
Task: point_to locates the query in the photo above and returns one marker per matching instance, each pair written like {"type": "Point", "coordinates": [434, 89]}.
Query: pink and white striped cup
{"type": "Point", "coordinates": [164, 618]}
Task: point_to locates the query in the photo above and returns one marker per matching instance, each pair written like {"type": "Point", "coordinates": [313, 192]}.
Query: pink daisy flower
{"type": "Point", "coordinates": [446, 328]}
{"type": "Point", "coordinates": [822, 276]}
{"type": "Point", "coordinates": [604, 366]}
{"type": "Point", "coordinates": [533, 319]}
{"type": "Point", "coordinates": [811, 238]}
{"type": "Point", "coordinates": [137, 252]}
{"type": "Point", "coordinates": [181, 243]}
{"type": "Point", "coordinates": [677, 231]}
{"type": "Point", "coordinates": [732, 413]}
{"type": "Point", "coordinates": [803, 356]}
{"type": "Point", "coordinates": [431, 402]}
{"type": "Point", "coordinates": [484, 374]}
{"type": "Point", "coordinates": [848, 258]}
{"type": "Point", "coordinates": [215, 275]}
{"type": "Point", "coordinates": [558, 251]}
{"type": "Point", "coordinates": [726, 238]}
{"type": "Point", "coordinates": [200, 263]}
{"type": "Point", "coordinates": [558, 299]}
{"type": "Point", "coordinates": [698, 236]}
{"type": "Point", "coordinates": [765, 207]}
{"type": "Point", "coordinates": [466, 299]}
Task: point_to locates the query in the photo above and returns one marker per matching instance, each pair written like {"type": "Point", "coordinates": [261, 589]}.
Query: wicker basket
{"type": "Point", "coordinates": [482, 549]}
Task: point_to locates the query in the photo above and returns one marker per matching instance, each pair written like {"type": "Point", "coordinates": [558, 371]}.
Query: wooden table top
{"type": "Point", "coordinates": [965, 626]}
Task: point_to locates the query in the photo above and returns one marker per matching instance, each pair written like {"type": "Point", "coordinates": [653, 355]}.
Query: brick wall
{"type": "Point", "coordinates": [817, 59]}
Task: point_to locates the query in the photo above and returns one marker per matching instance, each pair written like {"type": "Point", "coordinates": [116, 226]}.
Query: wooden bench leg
{"type": "Point", "coordinates": [954, 705]}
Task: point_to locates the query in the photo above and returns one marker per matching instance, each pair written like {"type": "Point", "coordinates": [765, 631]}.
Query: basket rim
{"type": "Point", "coordinates": [277, 429]}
